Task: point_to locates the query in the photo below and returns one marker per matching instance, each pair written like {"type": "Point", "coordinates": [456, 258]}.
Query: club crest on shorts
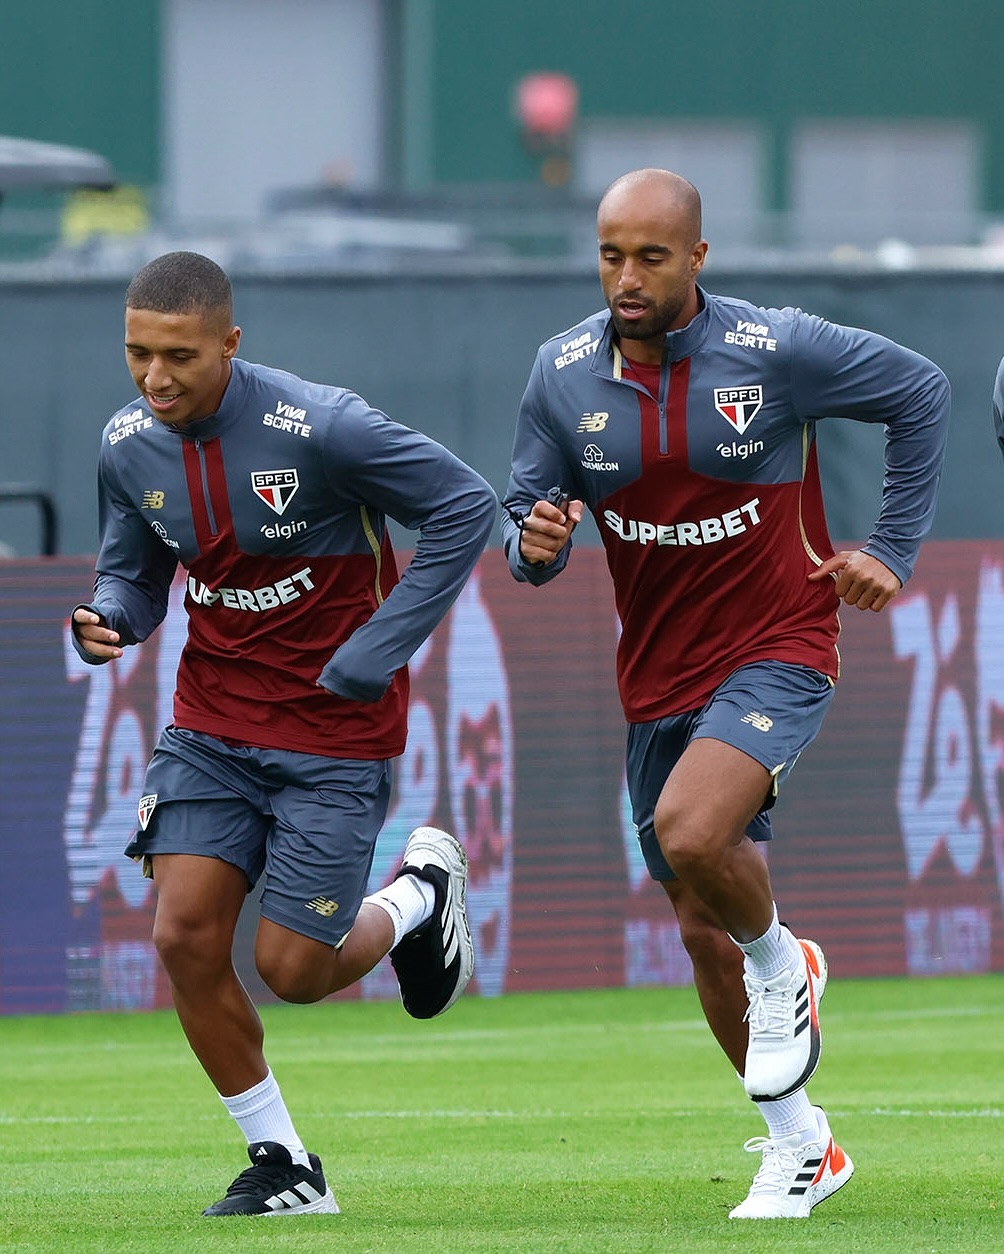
{"type": "Point", "coordinates": [145, 809]}
{"type": "Point", "coordinates": [275, 487]}
{"type": "Point", "coordinates": [739, 406]}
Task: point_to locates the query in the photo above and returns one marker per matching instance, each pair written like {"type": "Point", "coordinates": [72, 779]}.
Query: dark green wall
{"type": "Point", "coordinates": [85, 74]}
{"type": "Point", "coordinates": [88, 73]}
{"type": "Point", "coordinates": [451, 357]}
{"type": "Point", "coordinates": [776, 61]}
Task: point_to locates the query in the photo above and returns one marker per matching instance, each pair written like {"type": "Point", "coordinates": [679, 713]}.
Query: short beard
{"type": "Point", "coordinates": [657, 322]}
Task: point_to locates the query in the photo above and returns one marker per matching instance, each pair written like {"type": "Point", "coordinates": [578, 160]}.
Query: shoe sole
{"type": "Point", "coordinates": [456, 869]}
{"type": "Point", "coordinates": [325, 1205]}
{"type": "Point", "coordinates": [826, 1188]}
{"type": "Point", "coordinates": [814, 1195]}
{"type": "Point", "coordinates": [817, 974]}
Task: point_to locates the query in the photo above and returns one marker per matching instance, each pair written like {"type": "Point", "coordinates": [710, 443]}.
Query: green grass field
{"type": "Point", "coordinates": [599, 1121]}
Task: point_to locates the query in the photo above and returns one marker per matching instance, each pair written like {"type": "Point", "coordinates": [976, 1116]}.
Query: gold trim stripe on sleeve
{"type": "Point", "coordinates": [805, 539]}
{"type": "Point", "coordinates": [801, 484]}
{"type": "Point", "coordinates": [374, 544]}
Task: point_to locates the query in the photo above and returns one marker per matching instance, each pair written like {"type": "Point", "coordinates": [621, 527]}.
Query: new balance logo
{"type": "Point", "coordinates": [760, 721]}
{"type": "Point", "coordinates": [324, 906]}
{"type": "Point", "coordinates": [152, 500]}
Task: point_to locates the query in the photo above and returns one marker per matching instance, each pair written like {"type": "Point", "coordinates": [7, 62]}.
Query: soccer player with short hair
{"type": "Point", "coordinates": [686, 423]}
{"type": "Point", "coordinates": [292, 688]}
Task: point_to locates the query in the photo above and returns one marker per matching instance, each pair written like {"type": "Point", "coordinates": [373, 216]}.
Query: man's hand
{"type": "Point", "coordinates": [861, 580]}
{"type": "Point", "coordinates": [96, 639]}
{"type": "Point", "coordinates": [546, 530]}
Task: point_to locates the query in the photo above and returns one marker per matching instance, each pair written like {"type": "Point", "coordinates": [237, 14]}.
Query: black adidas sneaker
{"type": "Point", "coordinates": [275, 1185]}
{"type": "Point", "coordinates": [434, 962]}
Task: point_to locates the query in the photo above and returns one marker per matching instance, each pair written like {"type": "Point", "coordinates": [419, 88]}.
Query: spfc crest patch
{"type": "Point", "coordinates": [275, 487]}
{"type": "Point", "coordinates": [146, 808]}
{"type": "Point", "coordinates": [739, 406]}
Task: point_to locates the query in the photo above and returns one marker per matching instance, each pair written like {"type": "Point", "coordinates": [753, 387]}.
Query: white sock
{"type": "Point", "coordinates": [261, 1115]}
{"type": "Point", "coordinates": [793, 1113]}
{"type": "Point", "coordinates": [770, 954]}
{"type": "Point", "coordinates": [408, 901]}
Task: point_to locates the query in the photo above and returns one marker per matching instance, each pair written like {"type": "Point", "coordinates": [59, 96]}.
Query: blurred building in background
{"type": "Point", "coordinates": [805, 126]}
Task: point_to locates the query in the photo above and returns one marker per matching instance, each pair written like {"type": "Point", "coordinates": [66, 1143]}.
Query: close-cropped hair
{"type": "Point", "coordinates": [182, 282]}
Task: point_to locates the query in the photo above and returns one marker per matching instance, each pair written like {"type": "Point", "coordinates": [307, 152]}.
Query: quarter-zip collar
{"type": "Point", "coordinates": [679, 344]}
{"type": "Point", "coordinates": [230, 409]}
{"type": "Point", "coordinates": [686, 341]}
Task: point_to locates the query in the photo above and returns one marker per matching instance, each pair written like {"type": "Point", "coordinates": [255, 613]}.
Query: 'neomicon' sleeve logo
{"type": "Point", "coordinates": [739, 405]}
{"type": "Point", "coordinates": [275, 487]}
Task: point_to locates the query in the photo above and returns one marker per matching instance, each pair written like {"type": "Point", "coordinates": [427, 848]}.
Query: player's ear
{"type": "Point", "coordinates": [230, 343]}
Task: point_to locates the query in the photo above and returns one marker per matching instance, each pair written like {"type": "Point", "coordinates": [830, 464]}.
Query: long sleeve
{"type": "Point", "coordinates": [538, 465]}
{"type": "Point", "coordinates": [405, 475]}
{"type": "Point", "coordinates": [845, 372]}
{"type": "Point", "coordinates": [134, 568]}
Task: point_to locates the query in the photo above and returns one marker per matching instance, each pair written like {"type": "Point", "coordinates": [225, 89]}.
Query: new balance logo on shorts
{"type": "Point", "coordinates": [323, 905]}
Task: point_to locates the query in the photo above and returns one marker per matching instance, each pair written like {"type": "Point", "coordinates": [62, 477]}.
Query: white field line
{"type": "Point", "coordinates": [8, 1119]}
{"type": "Point", "coordinates": [502, 1036]}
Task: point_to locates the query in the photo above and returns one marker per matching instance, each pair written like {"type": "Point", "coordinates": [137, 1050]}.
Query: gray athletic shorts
{"type": "Point", "coordinates": [769, 710]}
{"type": "Point", "coordinates": [309, 822]}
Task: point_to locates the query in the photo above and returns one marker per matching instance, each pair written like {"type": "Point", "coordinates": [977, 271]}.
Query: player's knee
{"type": "Point", "coordinates": [186, 943]}
{"type": "Point", "coordinates": [707, 944]}
{"type": "Point", "coordinates": [683, 841]}
{"type": "Point", "coordinates": [291, 975]}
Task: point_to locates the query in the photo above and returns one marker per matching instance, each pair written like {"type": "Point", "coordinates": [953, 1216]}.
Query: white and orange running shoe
{"type": "Point", "coordinates": [794, 1176]}
{"type": "Point", "coordinates": [784, 1036]}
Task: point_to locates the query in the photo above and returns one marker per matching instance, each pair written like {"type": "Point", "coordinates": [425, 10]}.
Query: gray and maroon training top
{"type": "Point", "coordinates": [298, 626]}
{"type": "Point", "coordinates": [703, 481]}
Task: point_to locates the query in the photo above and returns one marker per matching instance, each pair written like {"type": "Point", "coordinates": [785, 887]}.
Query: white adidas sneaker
{"type": "Point", "coordinates": [434, 962]}
{"type": "Point", "coordinates": [784, 1036]}
{"type": "Point", "coordinates": [793, 1176]}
